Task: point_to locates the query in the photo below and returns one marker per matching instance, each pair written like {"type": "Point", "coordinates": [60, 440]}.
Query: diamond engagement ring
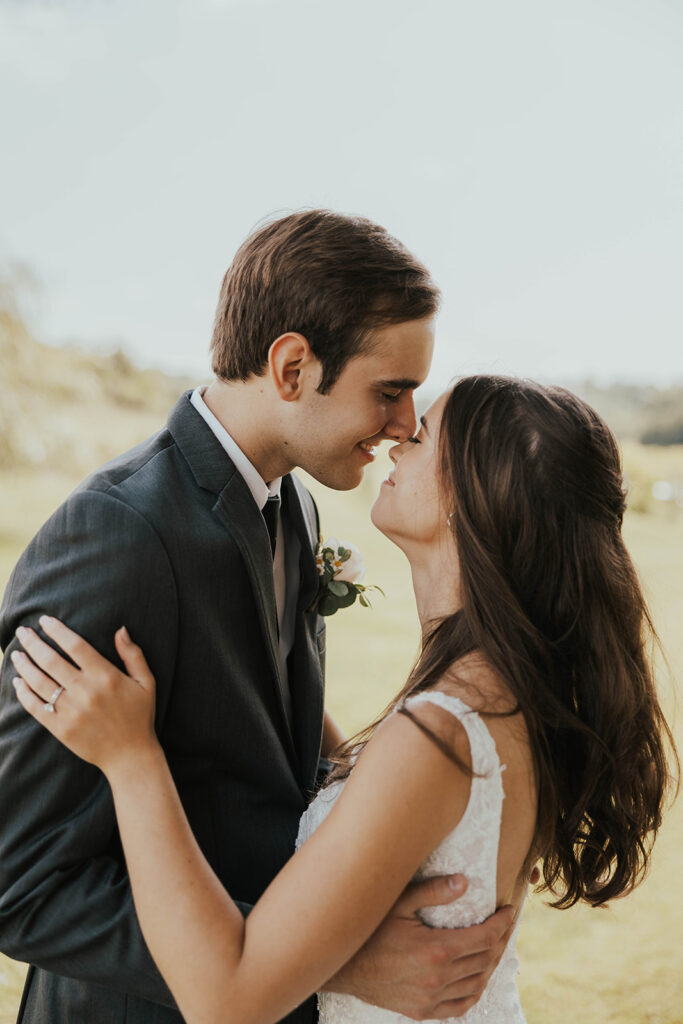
{"type": "Point", "coordinates": [50, 706]}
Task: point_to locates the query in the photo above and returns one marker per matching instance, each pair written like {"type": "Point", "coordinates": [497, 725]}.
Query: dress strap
{"type": "Point", "coordinates": [485, 760]}
{"type": "Point", "coordinates": [472, 847]}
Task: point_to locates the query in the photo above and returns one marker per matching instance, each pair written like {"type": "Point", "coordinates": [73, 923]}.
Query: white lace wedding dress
{"type": "Point", "coordinates": [470, 849]}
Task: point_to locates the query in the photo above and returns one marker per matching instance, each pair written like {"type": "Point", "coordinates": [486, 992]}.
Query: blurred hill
{"type": "Point", "coordinates": [637, 412]}
{"type": "Point", "coordinates": [69, 409]}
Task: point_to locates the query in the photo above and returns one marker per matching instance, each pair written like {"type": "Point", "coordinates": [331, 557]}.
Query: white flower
{"type": "Point", "coordinates": [350, 570]}
{"type": "Point", "coordinates": [340, 570]}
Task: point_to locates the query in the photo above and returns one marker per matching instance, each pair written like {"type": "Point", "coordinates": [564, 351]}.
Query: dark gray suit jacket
{"type": "Point", "coordinates": [168, 540]}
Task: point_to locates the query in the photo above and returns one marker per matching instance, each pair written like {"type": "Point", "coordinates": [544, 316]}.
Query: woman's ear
{"type": "Point", "coordinates": [291, 364]}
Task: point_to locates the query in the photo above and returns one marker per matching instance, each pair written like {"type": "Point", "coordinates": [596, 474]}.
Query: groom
{"type": "Point", "coordinates": [201, 542]}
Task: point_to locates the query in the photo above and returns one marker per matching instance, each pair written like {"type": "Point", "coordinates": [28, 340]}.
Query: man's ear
{"type": "Point", "coordinates": [292, 364]}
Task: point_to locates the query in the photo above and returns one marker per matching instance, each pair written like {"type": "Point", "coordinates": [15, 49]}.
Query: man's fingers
{"type": "Point", "coordinates": [488, 939]}
{"type": "Point", "coordinates": [454, 1008]}
{"type": "Point", "coordinates": [432, 892]}
{"type": "Point", "coordinates": [456, 1000]}
{"type": "Point", "coordinates": [470, 968]}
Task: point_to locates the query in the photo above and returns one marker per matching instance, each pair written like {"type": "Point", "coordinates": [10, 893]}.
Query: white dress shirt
{"type": "Point", "coordinates": [286, 580]}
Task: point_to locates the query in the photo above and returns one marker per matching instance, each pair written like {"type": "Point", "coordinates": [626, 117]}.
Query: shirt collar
{"type": "Point", "coordinates": [260, 490]}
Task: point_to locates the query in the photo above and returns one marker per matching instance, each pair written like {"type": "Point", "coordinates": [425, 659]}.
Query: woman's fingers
{"type": "Point", "coordinates": [78, 649]}
{"type": "Point", "coordinates": [41, 684]}
{"type": "Point", "coordinates": [46, 658]}
{"type": "Point", "coordinates": [69, 723]}
{"type": "Point", "coordinates": [132, 657]}
{"type": "Point", "coordinates": [103, 714]}
{"type": "Point", "coordinates": [27, 697]}
{"type": "Point", "coordinates": [90, 667]}
{"type": "Point", "coordinates": [34, 705]}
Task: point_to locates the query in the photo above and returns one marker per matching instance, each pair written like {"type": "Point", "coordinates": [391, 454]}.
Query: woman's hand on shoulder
{"type": "Point", "coordinates": [101, 714]}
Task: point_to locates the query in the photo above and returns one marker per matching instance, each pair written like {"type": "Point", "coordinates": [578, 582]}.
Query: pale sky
{"type": "Point", "coordinates": [530, 152]}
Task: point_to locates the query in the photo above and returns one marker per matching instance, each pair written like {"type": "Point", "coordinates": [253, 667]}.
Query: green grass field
{"type": "Point", "coordinates": [623, 965]}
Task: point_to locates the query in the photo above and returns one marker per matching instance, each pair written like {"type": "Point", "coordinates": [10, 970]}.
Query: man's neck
{"type": "Point", "coordinates": [241, 407]}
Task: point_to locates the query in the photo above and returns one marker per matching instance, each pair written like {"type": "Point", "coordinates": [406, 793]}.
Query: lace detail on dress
{"type": "Point", "coordinates": [470, 849]}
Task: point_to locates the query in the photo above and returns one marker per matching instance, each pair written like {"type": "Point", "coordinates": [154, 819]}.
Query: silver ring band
{"type": "Point", "coordinates": [50, 706]}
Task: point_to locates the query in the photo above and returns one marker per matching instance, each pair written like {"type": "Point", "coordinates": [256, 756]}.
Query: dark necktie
{"type": "Point", "coordinates": [271, 514]}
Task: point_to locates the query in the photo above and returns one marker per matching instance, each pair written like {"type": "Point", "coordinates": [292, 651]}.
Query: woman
{"type": "Point", "coordinates": [533, 685]}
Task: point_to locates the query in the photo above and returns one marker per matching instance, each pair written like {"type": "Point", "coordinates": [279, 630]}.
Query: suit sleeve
{"type": "Point", "coordinates": [65, 898]}
{"type": "Point", "coordinates": [324, 765]}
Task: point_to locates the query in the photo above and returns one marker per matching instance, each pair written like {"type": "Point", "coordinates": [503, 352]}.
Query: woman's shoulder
{"type": "Point", "coordinates": [472, 684]}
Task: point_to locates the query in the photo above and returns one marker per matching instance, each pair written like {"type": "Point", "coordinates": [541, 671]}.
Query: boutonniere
{"type": "Point", "coordinates": [340, 571]}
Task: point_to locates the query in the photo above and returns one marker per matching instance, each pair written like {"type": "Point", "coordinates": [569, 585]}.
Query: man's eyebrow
{"type": "Point", "coordinates": [423, 421]}
{"type": "Point", "coordinates": [404, 384]}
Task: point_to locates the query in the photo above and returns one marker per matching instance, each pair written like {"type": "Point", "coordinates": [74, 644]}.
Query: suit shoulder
{"type": "Point", "coordinates": [115, 503]}
{"type": "Point", "coordinates": [146, 460]}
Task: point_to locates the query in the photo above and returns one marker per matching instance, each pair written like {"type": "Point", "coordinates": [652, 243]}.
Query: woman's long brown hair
{"type": "Point", "coordinates": [551, 599]}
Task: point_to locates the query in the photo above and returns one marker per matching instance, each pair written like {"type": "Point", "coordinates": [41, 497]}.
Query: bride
{"type": "Point", "coordinates": [528, 731]}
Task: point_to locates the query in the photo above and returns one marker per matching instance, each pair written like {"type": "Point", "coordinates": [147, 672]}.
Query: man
{"type": "Point", "coordinates": [202, 542]}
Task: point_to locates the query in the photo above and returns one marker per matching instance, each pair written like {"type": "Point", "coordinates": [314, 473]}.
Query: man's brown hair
{"type": "Point", "coordinates": [329, 277]}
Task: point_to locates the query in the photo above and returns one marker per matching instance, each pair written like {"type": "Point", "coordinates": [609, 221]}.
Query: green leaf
{"type": "Point", "coordinates": [339, 589]}
{"type": "Point", "coordinates": [348, 599]}
{"type": "Point", "coordinates": [327, 606]}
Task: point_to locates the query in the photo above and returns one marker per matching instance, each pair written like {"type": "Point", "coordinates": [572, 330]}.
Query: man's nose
{"type": "Point", "coordinates": [403, 423]}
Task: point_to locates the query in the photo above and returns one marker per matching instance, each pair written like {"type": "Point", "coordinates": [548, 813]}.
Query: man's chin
{"type": "Point", "coordinates": [340, 478]}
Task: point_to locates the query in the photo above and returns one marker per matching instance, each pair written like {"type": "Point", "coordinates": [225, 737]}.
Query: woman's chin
{"type": "Point", "coordinates": [380, 518]}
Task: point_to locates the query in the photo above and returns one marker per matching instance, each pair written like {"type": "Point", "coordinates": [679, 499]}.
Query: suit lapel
{"type": "Point", "coordinates": [308, 539]}
{"type": "Point", "coordinates": [306, 677]}
{"type": "Point", "coordinates": [238, 513]}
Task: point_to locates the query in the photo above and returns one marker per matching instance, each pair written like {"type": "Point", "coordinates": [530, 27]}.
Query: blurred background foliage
{"type": "Point", "coordinates": [65, 410]}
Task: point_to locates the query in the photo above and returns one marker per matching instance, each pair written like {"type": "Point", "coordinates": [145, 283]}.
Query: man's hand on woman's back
{"type": "Point", "coordinates": [422, 972]}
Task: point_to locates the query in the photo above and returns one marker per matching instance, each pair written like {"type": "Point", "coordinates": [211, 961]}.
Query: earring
{"type": "Point", "coordinates": [448, 521]}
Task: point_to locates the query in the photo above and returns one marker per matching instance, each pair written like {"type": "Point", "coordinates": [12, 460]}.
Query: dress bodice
{"type": "Point", "coordinates": [470, 849]}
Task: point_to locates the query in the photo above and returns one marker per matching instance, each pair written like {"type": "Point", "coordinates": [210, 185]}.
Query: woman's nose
{"type": "Point", "coordinates": [395, 452]}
